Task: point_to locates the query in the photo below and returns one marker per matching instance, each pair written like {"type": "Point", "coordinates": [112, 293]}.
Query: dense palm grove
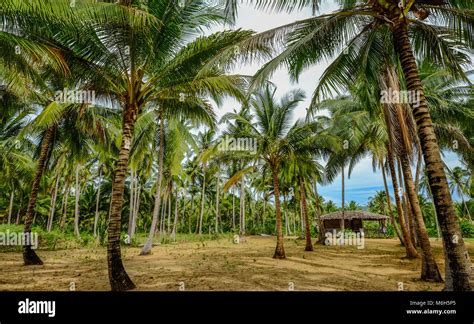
{"type": "Point", "coordinates": [108, 128]}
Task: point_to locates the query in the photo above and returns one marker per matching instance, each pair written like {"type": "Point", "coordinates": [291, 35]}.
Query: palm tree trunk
{"type": "Point", "coordinates": [279, 250]}
{"type": "Point", "coordinates": [343, 199]}
{"type": "Point", "coordinates": [156, 208]}
{"type": "Point", "coordinates": [76, 206]}
{"type": "Point", "coordinates": [410, 249]}
{"type": "Point", "coordinates": [389, 204]}
{"type": "Point", "coordinates": [64, 204]}
{"type": "Point", "coordinates": [242, 206]}
{"type": "Point", "coordinates": [406, 210]}
{"type": "Point", "coordinates": [97, 201]}
{"type": "Point", "coordinates": [430, 271]}
{"type": "Point", "coordinates": [455, 248]}
{"type": "Point", "coordinates": [17, 221]}
{"type": "Point", "coordinates": [233, 212]}
{"type": "Point", "coordinates": [217, 202]}
{"type": "Point", "coordinates": [203, 200]}
{"type": "Point", "coordinates": [304, 208]}
{"type": "Point", "coordinates": [163, 216]}
{"type": "Point", "coordinates": [168, 231]}
{"type": "Point", "coordinates": [29, 255]}
{"type": "Point", "coordinates": [287, 221]}
{"type": "Point", "coordinates": [302, 222]}
{"type": "Point", "coordinates": [135, 211]}
{"type": "Point", "coordinates": [175, 222]}
{"type": "Point", "coordinates": [118, 277]}
{"type": "Point", "coordinates": [132, 203]}
{"type": "Point", "coordinates": [10, 207]}
{"type": "Point", "coordinates": [190, 218]}
{"type": "Point", "coordinates": [49, 225]}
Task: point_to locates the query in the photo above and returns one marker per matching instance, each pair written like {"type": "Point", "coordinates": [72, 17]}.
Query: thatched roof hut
{"type": "Point", "coordinates": [351, 214]}
{"type": "Point", "coordinates": [352, 219]}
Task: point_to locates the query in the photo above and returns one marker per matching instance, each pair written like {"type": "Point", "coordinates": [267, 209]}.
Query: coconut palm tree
{"type": "Point", "coordinates": [276, 139]}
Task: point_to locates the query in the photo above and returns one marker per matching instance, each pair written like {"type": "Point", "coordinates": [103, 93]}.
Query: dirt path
{"type": "Point", "coordinates": [222, 265]}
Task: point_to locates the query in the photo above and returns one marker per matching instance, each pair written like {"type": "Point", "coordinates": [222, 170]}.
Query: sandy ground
{"type": "Point", "coordinates": [223, 266]}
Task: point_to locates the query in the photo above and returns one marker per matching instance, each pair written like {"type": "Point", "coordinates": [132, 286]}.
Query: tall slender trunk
{"type": "Point", "coordinates": [118, 277]}
{"type": "Point", "coordinates": [302, 220]}
{"type": "Point", "coordinates": [169, 212]}
{"type": "Point", "coordinates": [287, 221]}
{"type": "Point", "coordinates": [429, 271]}
{"type": "Point", "coordinates": [242, 206]}
{"type": "Point", "coordinates": [162, 217]}
{"type": "Point", "coordinates": [279, 250]}
{"type": "Point", "coordinates": [97, 202]}
{"type": "Point", "coordinates": [18, 214]}
{"type": "Point", "coordinates": [175, 222]}
{"type": "Point", "coordinates": [410, 249]}
{"type": "Point", "coordinates": [136, 210]}
{"type": "Point", "coordinates": [389, 204]}
{"type": "Point", "coordinates": [217, 201]}
{"type": "Point", "coordinates": [132, 203]}
{"type": "Point", "coordinates": [64, 204]}
{"type": "Point", "coordinates": [406, 210]}
{"type": "Point", "coordinates": [418, 168]}
{"type": "Point", "coordinates": [191, 210]}
{"type": "Point", "coordinates": [309, 244]}
{"type": "Point", "coordinates": [76, 206]}
{"type": "Point", "coordinates": [454, 244]}
{"type": "Point", "coordinates": [203, 199]}
{"type": "Point", "coordinates": [343, 199]}
{"type": "Point", "coordinates": [233, 212]}
{"type": "Point", "coordinates": [29, 255]}
{"type": "Point", "coordinates": [156, 208]}
{"type": "Point", "coordinates": [49, 225]}
{"type": "Point", "coordinates": [264, 216]}
{"type": "Point", "coordinates": [10, 207]}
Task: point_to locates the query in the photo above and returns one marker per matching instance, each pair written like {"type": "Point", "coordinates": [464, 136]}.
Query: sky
{"type": "Point", "coordinates": [363, 182]}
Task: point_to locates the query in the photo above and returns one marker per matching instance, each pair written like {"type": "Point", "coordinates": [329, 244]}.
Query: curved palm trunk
{"type": "Point", "coordinates": [279, 250]}
{"type": "Point", "coordinates": [429, 271]}
{"type": "Point", "coordinates": [389, 204]}
{"type": "Point", "coordinates": [156, 209]}
{"type": "Point", "coordinates": [118, 277]}
{"type": "Point", "coordinates": [454, 248]}
{"type": "Point", "coordinates": [29, 255]}
{"type": "Point", "coordinates": [410, 249]}
{"type": "Point", "coordinates": [96, 218]}
{"type": "Point", "coordinates": [304, 208]}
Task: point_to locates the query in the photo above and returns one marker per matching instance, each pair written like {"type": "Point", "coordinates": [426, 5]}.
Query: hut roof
{"type": "Point", "coordinates": [351, 214]}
